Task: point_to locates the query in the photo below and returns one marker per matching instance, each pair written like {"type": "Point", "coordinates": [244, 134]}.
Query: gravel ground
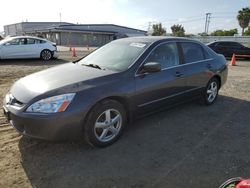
{"type": "Point", "coordinates": [188, 146]}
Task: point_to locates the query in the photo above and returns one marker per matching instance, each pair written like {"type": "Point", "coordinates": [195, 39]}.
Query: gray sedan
{"type": "Point", "coordinates": [97, 96]}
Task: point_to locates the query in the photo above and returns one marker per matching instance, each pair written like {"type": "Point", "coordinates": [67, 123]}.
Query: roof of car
{"type": "Point", "coordinates": [223, 41]}
{"type": "Point", "coordinates": [152, 39]}
{"type": "Point", "coordinates": [16, 37]}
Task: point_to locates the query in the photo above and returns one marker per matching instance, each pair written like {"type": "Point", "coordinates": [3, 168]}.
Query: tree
{"type": "Point", "coordinates": [178, 30]}
{"type": "Point", "coordinates": [244, 18]}
{"type": "Point", "coordinates": [247, 32]}
{"type": "Point", "coordinates": [158, 30]}
{"type": "Point", "coordinates": [231, 32]}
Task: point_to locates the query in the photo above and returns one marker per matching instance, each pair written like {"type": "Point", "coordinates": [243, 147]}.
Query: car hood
{"type": "Point", "coordinates": [54, 78]}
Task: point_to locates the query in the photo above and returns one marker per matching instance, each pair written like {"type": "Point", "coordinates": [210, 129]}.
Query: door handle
{"type": "Point", "coordinates": [178, 74]}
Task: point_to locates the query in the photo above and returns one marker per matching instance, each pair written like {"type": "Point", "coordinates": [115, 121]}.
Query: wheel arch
{"type": "Point", "coordinates": [218, 78]}
{"type": "Point", "coordinates": [48, 50]}
{"type": "Point", "coordinates": [122, 100]}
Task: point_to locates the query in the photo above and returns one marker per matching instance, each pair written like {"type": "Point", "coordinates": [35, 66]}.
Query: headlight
{"type": "Point", "coordinates": [53, 104]}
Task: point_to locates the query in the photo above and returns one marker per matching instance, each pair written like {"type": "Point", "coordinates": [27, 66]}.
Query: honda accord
{"type": "Point", "coordinates": [95, 97]}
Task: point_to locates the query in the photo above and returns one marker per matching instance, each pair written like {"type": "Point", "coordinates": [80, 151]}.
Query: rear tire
{"type": "Point", "coordinates": [105, 123]}
{"type": "Point", "coordinates": [46, 55]}
{"type": "Point", "coordinates": [211, 92]}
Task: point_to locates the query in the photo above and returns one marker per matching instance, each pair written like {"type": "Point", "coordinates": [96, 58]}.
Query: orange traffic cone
{"type": "Point", "coordinates": [74, 52]}
{"type": "Point", "coordinates": [233, 61]}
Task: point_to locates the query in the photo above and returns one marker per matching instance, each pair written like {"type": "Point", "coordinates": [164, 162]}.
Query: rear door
{"type": "Point", "coordinates": [224, 48]}
{"type": "Point", "coordinates": [198, 66]}
{"type": "Point", "coordinates": [33, 48]}
{"type": "Point", "coordinates": [154, 90]}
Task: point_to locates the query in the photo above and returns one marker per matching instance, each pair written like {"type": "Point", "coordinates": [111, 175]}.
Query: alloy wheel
{"type": "Point", "coordinates": [46, 55]}
{"type": "Point", "coordinates": [212, 92]}
{"type": "Point", "coordinates": [108, 125]}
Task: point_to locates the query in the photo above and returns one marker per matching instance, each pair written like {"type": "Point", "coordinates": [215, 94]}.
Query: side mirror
{"type": "Point", "coordinates": [151, 67]}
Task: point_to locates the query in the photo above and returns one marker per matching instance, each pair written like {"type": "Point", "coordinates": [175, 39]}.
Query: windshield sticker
{"type": "Point", "coordinates": [139, 45]}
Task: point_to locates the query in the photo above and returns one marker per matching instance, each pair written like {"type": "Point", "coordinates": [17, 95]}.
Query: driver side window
{"type": "Point", "coordinates": [19, 41]}
{"type": "Point", "coordinates": [166, 55]}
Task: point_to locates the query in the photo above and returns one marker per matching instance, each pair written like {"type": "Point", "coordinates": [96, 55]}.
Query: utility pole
{"type": "Point", "coordinates": [208, 17]}
{"type": "Point", "coordinates": [60, 16]}
{"type": "Point", "coordinates": [149, 28]}
{"type": "Point", "coordinates": [208, 21]}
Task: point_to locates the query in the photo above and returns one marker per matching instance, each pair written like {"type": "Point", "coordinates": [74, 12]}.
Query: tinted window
{"type": "Point", "coordinates": [221, 44]}
{"type": "Point", "coordinates": [229, 44]}
{"type": "Point", "coordinates": [42, 41]}
{"type": "Point", "coordinates": [192, 52]}
{"type": "Point", "coordinates": [16, 42]}
{"type": "Point", "coordinates": [212, 44]}
{"type": "Point", "coordinates": [235, 44]}
{"type": "Point", "coordinates": [165, 54]}
{"type": "Point", "coordinates": [30, 41]}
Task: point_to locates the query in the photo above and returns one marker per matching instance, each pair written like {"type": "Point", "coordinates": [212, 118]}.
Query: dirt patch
{"type": "Point", "coordinates": [188, 146]}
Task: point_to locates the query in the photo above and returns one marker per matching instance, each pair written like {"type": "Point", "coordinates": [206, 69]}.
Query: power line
{"type": "Point", "coordinates": [232, 13]}
{"type": "Point", "coordinates": [222, 17]}
{"type": "Point", "coordinates": [195, 18]}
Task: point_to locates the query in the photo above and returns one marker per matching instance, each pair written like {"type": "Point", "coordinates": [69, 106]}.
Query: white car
{"type": "Point", "coordinates": [27, 47]}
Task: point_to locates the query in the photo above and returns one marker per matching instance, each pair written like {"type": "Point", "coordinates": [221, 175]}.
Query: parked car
{"type": "Point", "coordinates": [228, 48]}
{"type": "Point", "coordinates": [97, 96]}
{"type": "Point", "coordinates": [27, 47]}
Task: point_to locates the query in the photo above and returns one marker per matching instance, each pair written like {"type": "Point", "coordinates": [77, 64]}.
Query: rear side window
{"type": "Point", "coordinates": [30, 41]}
{"type": "Point", "coordinates": [192, 52]}
{"type": "Point", "coordinates": [235, 44]}
{"type": "Point", "coordinates": [221, 44]}
{"type": "Point", "coordinates": [42, 41]}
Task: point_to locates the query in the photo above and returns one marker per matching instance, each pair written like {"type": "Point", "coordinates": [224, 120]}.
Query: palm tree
{"type": "Point", "coordinates": [244, 18]}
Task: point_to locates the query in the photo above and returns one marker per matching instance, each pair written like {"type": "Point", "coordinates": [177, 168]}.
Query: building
{"type": "Point", "coordinates": [64, 33]}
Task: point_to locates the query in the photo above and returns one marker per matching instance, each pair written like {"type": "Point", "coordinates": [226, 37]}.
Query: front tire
{"type": "Point", "coordinates": [46, 55]}
{"type": "Point", "coordinates": [105, 123]}
{"type": "Point", "coordinates": [211, 92]}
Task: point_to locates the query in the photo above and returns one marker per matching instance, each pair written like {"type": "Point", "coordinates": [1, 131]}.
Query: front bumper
{"type": "Point", "coordinates": [54, 127]}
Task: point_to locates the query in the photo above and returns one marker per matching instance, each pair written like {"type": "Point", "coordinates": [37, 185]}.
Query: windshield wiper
{"type": "Point", "coordinates": [93, 65]}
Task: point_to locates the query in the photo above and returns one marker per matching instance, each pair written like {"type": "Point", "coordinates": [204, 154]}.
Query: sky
{"type": "Point", "coordinates": [138, 14]}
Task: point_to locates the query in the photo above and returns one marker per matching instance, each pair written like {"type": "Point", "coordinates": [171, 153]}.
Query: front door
{"type": "Point", "coordinates": [154, 90]}
{"type": "Point", "coordinates": [14, 49]}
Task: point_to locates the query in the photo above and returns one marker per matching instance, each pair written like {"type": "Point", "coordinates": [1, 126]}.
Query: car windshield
{"type": "Point", "coordinates": [210, 43]}
{"type": "Point", "coordinates": [5, 40]}
{"type": "Point", "coordinates": [117, 55]}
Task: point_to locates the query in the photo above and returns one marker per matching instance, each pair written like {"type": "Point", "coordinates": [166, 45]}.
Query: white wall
{"type": "Point", "coordinates": [241, 39]}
